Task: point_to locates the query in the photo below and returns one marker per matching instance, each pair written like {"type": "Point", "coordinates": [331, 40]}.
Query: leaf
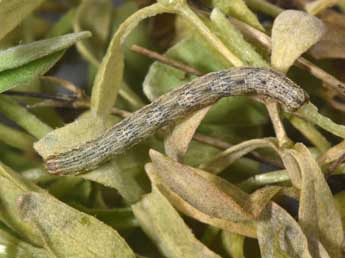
{"type": "Point", "coordinates": [311, 133]}
{"type": "Point", "coordinates": [224, 159]}
{"type": "Point", "coordinates": [22, 117]}
{"type": "Point", "coordinates": [233, 244]}
{"type": "Point", "coordinates": [63, 25]}
{"type": "Point", "coordinates": [221, 203]}
{"type": "Point", "coordinates": [118, 218]}
{"type": "Point", "coordinates": [120, 173]}
{"type": "Point", "coordinates": [238, 9]}
{"type": "Point", "coordinates": [290, 41]}
{"type": "Point", "coordinates": [332, 42]}
{"type": "Point", "coordinates": [332, 154]}
{"type": "Point", "coordinates": [13, 12]}
{"type": "Point", "coordinates": [67, 232]}
{"type": "Point", "coordinates": [23, 54]}
{"type": "Point", "coordinates": [16, 138]}
{"type": "Point", "coordinates": [12, 186]}
{"type": "Point", "coordinates": [316, 6]}
{"type": "Point", "coordinates": [310, 113]}
{"type": "Point", "coordinates": [318, 215]}
{"type": "Point", "coordinates": [234, 40]}
{"type": "Point", "coordinates": [109, 76]}
{"type": "Point", "coordinates": [339, 199]}
{"type": "Point", "coordinates": [93, 15]}
{"type": "Point", "coordinates": [15, 248]}
{"type": "Point", "coordinates": [279, 235]}
{"type": "Point", "coordinates": [26, 73]}
{"type": "Point", "coordinates": [166, 228]}
{"type": "Point", "coordinates": [177, 141]}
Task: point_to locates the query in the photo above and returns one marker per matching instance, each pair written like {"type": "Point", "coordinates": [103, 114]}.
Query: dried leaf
{"type": "Point", "coordinates": [23, 54]}
{"type": "Point", "coordinates": [332, 154]}
{"type": "Point", "coordinates": [224, 159]}
{"type": "Point", "coordinates": [177, 141]}
{"type": "Point", "coordinates": [318, 215]}
{"type": "Point", "coordinates": [332, 43]}
{"type": "Point", "coordinates": [221, 204]}
{"type": "Point", "coordinates": [279, 235]}
{"type": "Point", "coordinates": [167, 229]}
{"type": "Point", "coordinates": [93, 15]}
{"type": "Point", "coordinates": [13, 12]}
{"type": "Point", "coordinates": [290, 41]}
{"type": "Point", "coordinates": [67, 232]}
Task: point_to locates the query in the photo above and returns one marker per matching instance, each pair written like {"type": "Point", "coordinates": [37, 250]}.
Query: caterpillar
{"type": "Point", "coordinates": [199, 93]}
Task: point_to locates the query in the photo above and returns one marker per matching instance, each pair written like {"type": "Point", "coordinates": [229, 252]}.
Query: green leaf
{"type": "Point", "coordinates": [67, 232]}
{"type": "Point", "coordinates": [16, 138]}
{"type": "Point", "coordinates": [110, 73]}
{"type": "Point", "coordinates": [238, 9]}
{"type": "Point", "coordinates": [12, 247]}
{"type": "Point", "coordinates": [95, 16]}
{"type": "Point", "coordinates": [166, 228]}
{"type": "Point", "coordinates": [26, 73]}
{"type": "Point", "coordinates": [22, 117]}
{"type": "Point", "coordinates": [12, 186]}
{"type": "Point", "coordinates": [13, 12]}
{"type": "Point", "coordinates": [23, 54]}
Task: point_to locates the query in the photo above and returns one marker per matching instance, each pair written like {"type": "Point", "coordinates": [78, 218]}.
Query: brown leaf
{"type": "Point", "coordinates": [332, 44]}
{"type": "Point", "coordinates": [177, 142]}
{"type": "Point", "coordinates": [166, 228]}
{"type": "Point", "coordinates": [206, 197]}
{"type": "Point", "coordinates": [318, 215]}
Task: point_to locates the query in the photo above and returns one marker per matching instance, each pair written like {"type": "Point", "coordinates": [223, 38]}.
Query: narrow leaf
{"type": "Point", "coordinates": [26, 73]}
{"type": "Point", "coordinates": [22, 54]}
{"type": "Point", "coordinates": [166, 228]}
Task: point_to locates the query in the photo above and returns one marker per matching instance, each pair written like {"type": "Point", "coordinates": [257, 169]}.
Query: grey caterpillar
{"type": "Point", "coordinates": [201, 92]}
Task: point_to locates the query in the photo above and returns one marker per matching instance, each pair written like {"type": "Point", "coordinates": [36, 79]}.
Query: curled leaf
{"type": "Point", "coordinates": [279, 235]}
{"type": "Point", "coordinates": [290, 41]}
{"type": "Point", "coordinates": [221, 204]}
{"type": "Point", "coordinates": [227, 157]}
{"type": "Point", "coordinates": [318, 215]}
{"type": "Point", "coordinates": [177, 142]}
{"type": "Point", "coordinates": [93, 15]}
{"type": "Point", "coordinates": [166, 228]}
